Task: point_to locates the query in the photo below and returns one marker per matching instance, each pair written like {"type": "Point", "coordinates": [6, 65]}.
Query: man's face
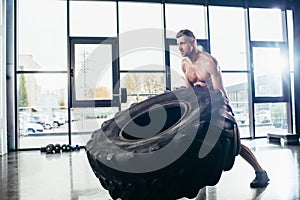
{"type": "Point", "coordinates": [185, 45]}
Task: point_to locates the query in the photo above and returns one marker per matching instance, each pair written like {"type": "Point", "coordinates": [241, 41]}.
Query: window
{"type": "Point", "coordinates": [266, 24]}
{"type": "Point", "coordinates": [228, 37]}
{"type": "Point", "coordinates": [141, 86]}
{"type": "Point", "coordinates": [141, 50]}
{"type": "Point", "coordinates": [93, 19]}
{"type": "Point", "coordinates": [228, 46]}
{"type": "Point", "coordinates": [268, 68]}
{"type": "Point", "coordinates": [93, 72]}
{"type": "Point", "coordinates": [236, 86]}
{"type": "Point", "coordinates": [42, 73]}
{"type": "Point", "coordinates": [134, 16]}
{"type": "Point", "coordinates": [42, 35]}
{"type": "Point", "coordinates": [141, 36]}
{"type": "Point", "coordinates": [42, 103]}
{"type": "Point", "coordinates": [270, 118]}
{"type": "Point", "coordinates": [192, 17]}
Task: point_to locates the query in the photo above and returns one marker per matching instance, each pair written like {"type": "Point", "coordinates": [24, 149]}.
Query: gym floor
{"type": "Point", "coordinates": [32, 175]}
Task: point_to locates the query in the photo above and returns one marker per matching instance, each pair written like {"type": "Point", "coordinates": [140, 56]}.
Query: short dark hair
{"type": "Point", "coordinates": [185, 32]}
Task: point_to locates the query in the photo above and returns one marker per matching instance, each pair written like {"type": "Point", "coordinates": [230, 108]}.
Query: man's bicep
{"type": "Point", "coordinates": [215, 75]}
{"type": "Point", "coordinates": [213, 68]}
{"type": "Point", "coordinates": [217, 81]}
{"type": "Point", "coordinates": [183, 66]}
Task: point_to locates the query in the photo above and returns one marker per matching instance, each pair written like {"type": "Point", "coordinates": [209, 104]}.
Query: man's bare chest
{"type": "Point", "coordinates": [196, 72]}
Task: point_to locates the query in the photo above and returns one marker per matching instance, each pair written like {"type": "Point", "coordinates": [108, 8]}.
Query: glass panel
{"type": "Point", "coordinates": [142, 59]}
{"type": "Point", "coordinates": [140, 86]}
{"type": "Point", "coordinates": [177, 76]}
{"type": "Point", "coordinates": [86, 120]}
{"type": "Point", "coordinates": [266, 24]}
{"type": "Point", "coordinates": [175, 20]}
{"type": "Point", "coordinates": [133, 16]}
{"type": "Point", "coordinates": [227, 31]}
{"type": "Point", "coordinates": [93, 18]}
{"type": "Point", "coordinates": [93, 72]}
{"type": "Point", "coordinates": [141, 36]}
{"type": "Point", "coordinates": [270, 118]}
{"type": "Point", "coordinates": [42, 109]}
{"type": "Point", "coordinates": [268, 66]}
{"type": "Point", "coordinates": [42, 35]}
{"type": "Point", "coordinates": [236, 86]}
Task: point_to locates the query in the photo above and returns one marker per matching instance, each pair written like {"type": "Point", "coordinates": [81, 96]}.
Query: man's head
{"type": "Point", "coordinates": [186, 42]}
{"type": "Point", "coordinates": [185, 32]}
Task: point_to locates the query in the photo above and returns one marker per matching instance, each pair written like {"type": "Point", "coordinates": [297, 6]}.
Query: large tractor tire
{"type": "Point", "coordinates": [195, 138]}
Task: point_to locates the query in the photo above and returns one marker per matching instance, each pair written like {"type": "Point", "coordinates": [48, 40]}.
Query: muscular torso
{"type": "Point", "coordinates": [196, 73]}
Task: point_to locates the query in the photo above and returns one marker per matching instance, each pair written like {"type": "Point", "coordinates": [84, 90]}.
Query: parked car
{"type": "Point", "coordinates": [263, 117]}
{"type": "Point", "coordinates": [240, 115]}
{"type": "Point", "coordinates": [58, 120]}
{"type": "Point", "coordinates": [42, 120]}
{"type": "Point", "coordinates": [27, 128]}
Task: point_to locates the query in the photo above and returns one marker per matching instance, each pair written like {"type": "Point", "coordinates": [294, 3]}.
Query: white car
{"type": "Point", "coordinates": [58, 120]}
{"type": "Point", "coordinates": [30, 128]}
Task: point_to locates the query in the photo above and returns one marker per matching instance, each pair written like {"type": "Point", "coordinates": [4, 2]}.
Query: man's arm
{"type": "Point", "coordinates": [187, 83]}
{"type": "Point", "coordinates": [216, 77]}
{"type": "Point", "coordinates": [183, 67]}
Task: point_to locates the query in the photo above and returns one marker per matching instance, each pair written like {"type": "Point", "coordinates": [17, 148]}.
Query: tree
{"type": "Point", "coordinates": [153, 84]}
{"type": "Point", "coordinates": [23, 98]}
{"type": "Point", "coordinates": [100, 93]}
{"type": "Point", "coordinates": [62, 103]}
{"type": "Point", "coordinates": [133, 83]}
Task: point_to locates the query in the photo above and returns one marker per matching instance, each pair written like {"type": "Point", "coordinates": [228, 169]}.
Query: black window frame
{"type": "Point", "coordinates": [115, 102]}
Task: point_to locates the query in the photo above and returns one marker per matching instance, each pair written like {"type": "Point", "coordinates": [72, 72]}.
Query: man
{"type": "Point", "coordinates": [200, 68]}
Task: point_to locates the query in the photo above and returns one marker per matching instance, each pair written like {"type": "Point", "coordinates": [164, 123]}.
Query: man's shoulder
{"type": "Point", "coordinates": [204, 56]}
{"type": "Point", "coordinates": [185, 60]}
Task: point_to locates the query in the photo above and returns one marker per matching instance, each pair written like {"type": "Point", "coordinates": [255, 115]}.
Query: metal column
{"type": "Point", "coordinates": [296, 20]}
{"type": "Point", "coordinates": [10, 74]}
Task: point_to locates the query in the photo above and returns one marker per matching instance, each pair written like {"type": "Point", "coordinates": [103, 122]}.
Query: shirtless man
{"type": "Point", "coordinates": [200, 68]}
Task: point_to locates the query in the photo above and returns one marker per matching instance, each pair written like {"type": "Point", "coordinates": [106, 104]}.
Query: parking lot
{"type": "Point", "coordinates": [81, 131]}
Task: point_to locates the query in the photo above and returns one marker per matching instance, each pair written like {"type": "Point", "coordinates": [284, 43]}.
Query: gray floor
{"type": "Point", "coordinates": [31, 175]}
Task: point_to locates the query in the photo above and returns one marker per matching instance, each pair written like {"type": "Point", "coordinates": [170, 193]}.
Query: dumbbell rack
{"type": "Point", "coordinates": [57, 148]}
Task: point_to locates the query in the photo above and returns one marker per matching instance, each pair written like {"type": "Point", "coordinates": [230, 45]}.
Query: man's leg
{"type": "Point", "coordinates": [261, 178]}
